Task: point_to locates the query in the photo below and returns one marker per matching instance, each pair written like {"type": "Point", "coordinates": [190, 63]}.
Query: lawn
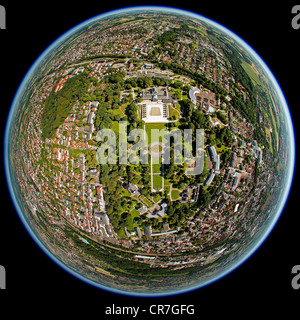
{"type": "Point", "coordinates": [123, 107]}
{"type": "Point", "coordinates": [175, 194]}
{"type": "Point", "coordinates": [174, 112]}
{"type": "Point", "coordinates": [125, 193]}
{"type": "Point", "coordinates": [167, 182]}
{"type": "Point", "coordinates": [134, 213]}
{"type": "Point", "coordinates": [150, 126]}
{"type": "Point", "coordinates": [167, 189]}
{"type": "Point", "coordinates": [115, 126]}
{"type": "Point", "coordinates": [156, 197]}
{"type": "Point", "coordinates": [156, 168]}
{"type": "Point", "coordinates": [157, 182]}
{"type": "Point", "coordinates": [117, 112]}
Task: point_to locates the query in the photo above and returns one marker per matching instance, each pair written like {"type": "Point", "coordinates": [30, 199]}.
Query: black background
{"type": "Point", "coordinates": [261, 285]}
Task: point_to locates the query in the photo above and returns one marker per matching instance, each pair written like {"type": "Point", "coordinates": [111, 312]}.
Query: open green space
{"type": "Point", "coordinates": [123, 106]}
{"type": "Point", "coordinates": [150, 126]}
{"type": "Point", "coordinates": [174, 113]}
{"type": "Point", "coordinates": [156, 168]}
{"type": "Point", "coordinates": [157, 182]}
{"type": "Point", "coordinates": [134, 213]}
{"type": "Point", "coordinates": [175, 194]}
{"type": "Point", "coordinates": [251, 72]}
{"type": "Point", "coordinates": [115, 126]}
{"type": "Point", "coordinates": [117, 112]}
{"type": "Point", "coordinates": [221, 149]}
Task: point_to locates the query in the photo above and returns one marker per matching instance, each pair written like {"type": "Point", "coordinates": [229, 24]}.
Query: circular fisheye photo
{"type": "Point", "coordinates": [149, 151]}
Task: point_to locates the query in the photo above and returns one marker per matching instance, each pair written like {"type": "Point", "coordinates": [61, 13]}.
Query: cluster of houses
{"type": "Point", "coordinates": [61, 82]}
{"type": "Point", "coordinates": [239, 125]}
{"type": "Point", "coordinates": [125, 40]}
{"type": "Point", "coordinates": [67, 135]}
{"type": "Point", "coordinates": [62, 179]}
{"type": "Point", "coordinates": [59, 185]}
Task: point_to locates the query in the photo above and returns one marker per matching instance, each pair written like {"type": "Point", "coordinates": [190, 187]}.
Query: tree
{"type": "Point", "coordinates": [188, 108]}
{"type": "Point", "coordinates": [212, 139]}
{"type": "Point", "coordinates": [222, 117]}
{"type": "Point", "coordinates": [226, 156]}
{"type": "Point", "coordinates": [58, 105]}
{"type": "Point", "coordinates": [199, 120]}
{"type": "Point", "coordinates": [144, 82]}
{"type": "Point", "coordinates": [204, 197]}
{"type": "Point", "coordinates": [91, 160]}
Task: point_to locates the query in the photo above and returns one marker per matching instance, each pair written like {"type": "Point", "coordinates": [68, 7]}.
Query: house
{"type": "Point", "coordinates": [155, 94]}
{"type": "Point", "coordinates": [210, 178]}
{"type": "Point", "coordinates": [148, 231]}
{"type": "Point", "coordinates": [95, 103]}
{"type": "Point", "coordinates": [235, 183]}
{"type": "Point", "coordinates": [132, 188]}
{"type": "Point", "coordinates": [81, 158]}
{"type": "Point", "coordinates": [138, 231]}
{"type": "Point", "coordinates": [148, 66]}
{"type": "Point", "coordinates": [162, 211]}
{"type": "Point", "coordinates": [102, 218]}
{"type": "Point", "coordinates": [142, 210]}
{"type": "Point", "coordinates": [215, 158]}
{"type": "Point", "coordinates": [90, 117]}
{"type": "Point", "coordinates": [189, 194]}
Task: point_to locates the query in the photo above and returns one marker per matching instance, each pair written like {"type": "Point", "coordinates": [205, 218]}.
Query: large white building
{"type": "Point", "coordinates": [192, 93]}
{"type": "Point", "coordinates": [155, 112]}
{"type": "Point", "coordinates": [154, 108]}
{"type": "Point", "coordinates": [215, 158]}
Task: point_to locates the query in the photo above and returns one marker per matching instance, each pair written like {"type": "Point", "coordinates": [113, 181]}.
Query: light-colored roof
{"type": "Point", "coordinates": [192, 92]}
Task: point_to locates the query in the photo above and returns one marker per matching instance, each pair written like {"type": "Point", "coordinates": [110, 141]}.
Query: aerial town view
{"type": "Point", "coordinates": [153, 226]}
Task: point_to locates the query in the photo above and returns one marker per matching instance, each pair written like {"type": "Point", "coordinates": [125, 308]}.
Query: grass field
{"type": "Point", "coordinates": [156, 168]}
{"type": "Point", "coordinates": [115, 126]}
{"type": "Point", "coordinates": [134, 213]}
{"type": "Point", "coordinates": [157, 182]}
{"type": "Point", "coordinates": [150, 126]}
{"type": "Point", "coordinates": [117, 112]}
{"type": "Point", "coordinates": [175, 194]}
{"type": "Point", "coordinates": [123, 106]}
{"type": "Point", "coordinates": [174, 112]}
{"type": "Point", "coordinates": [252, 73]}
